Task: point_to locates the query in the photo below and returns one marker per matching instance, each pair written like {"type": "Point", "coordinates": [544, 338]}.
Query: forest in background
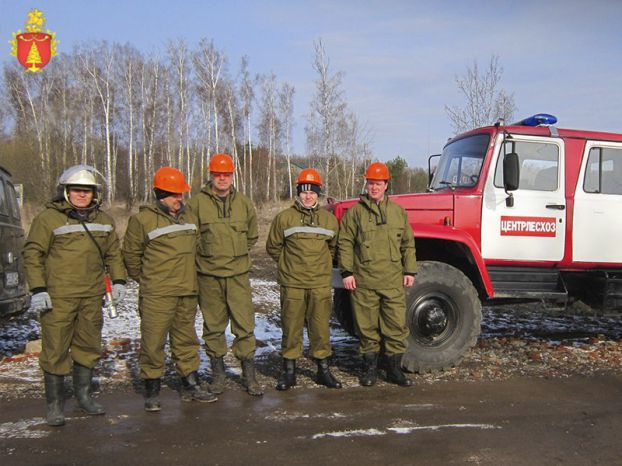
{"type": "Point", "coordinates": [127, 114]}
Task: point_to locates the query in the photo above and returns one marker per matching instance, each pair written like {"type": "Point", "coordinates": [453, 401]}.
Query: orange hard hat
{"type": "Point", "coordinates": [377, 171]}
{"type": "Point", "coordinates": [171, 180]}
{"type": "Point", "coordinates": [309, 176]}
{"type": "Point", "coordinates": [221, 163]}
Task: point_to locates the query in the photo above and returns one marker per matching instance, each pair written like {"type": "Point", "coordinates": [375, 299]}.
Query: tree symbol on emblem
{"type": "Point", "coordinates": [33, 58]}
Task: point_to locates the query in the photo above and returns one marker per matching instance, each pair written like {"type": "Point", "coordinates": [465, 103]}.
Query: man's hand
{"type": "Point", "coordinates": [349, 283]}
{"type": "Point", "coordinates": [409, 280]}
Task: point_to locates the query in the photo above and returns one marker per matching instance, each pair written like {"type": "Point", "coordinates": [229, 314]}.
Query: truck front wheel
{"type": "Point", "coordinates": [443, 314]}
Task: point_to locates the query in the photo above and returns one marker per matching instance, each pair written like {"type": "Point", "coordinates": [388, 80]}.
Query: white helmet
{"type": "Point", "coordinates": [80, 175]}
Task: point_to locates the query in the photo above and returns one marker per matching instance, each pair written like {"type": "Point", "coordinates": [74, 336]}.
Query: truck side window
{"type": "Point", "coordinates": [12, 200]}
{"type": "Point", "coordinates": [603, 171]}
{"type": "Point", "coordinates": [539, 165]}
{"type": "Point", "coordinates": [4, 204]}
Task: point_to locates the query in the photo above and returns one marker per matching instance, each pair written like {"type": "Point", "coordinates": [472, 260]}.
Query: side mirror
{"type": "Point", "coordinates": [431, 170]}
{"type": "Point", "coordinates": [511, 171]}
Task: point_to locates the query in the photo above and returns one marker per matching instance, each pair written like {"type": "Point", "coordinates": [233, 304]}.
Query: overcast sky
{"type": "Point", "coordinates": [399, 58]}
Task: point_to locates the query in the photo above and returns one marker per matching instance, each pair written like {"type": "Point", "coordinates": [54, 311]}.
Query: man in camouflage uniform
{"type": "Point", "coordinates": [377, 260]}
{"type": "Point", "coordinates": [228, 225]}
{"type": "Point", "coordinates": [159, 251]}
{"type": "Point", "coordinates": [302, 240]}
{"type": "Point", "coordinates": [71, 246]}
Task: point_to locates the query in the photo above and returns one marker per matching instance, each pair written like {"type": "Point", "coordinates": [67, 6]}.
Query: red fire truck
{"type": "Point", "coordinates": [519, 212]}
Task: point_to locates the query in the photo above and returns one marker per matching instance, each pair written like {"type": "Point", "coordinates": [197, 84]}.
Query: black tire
{"type": "Point", "coordinates": [443, 314]}
{"type": "Point", "coordinates": [343, 310]}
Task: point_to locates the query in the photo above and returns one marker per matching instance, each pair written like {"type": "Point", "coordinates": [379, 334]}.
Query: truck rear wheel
{"type": "Point", "coordinates": [443, 314]}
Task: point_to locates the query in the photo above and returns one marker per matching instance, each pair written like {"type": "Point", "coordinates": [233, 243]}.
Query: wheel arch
{"type": "Point", "coordinates": [460, 254]}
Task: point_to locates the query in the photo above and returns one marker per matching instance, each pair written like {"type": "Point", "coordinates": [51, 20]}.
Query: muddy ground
{"type": "Point", "coordinates": [524, 420]}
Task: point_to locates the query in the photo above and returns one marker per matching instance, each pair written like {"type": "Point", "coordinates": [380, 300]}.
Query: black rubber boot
{"type": "Point", "coordinates": [370, 369]}
{"type": "Point", "coordinates": [324, 376]}
{"type": "Point", "coordinates": [394, 372]}
{"type": "Point", "coordinates": [248, 378]}
{"type": "Point", "coordinates": [218, 375]}
{"type": "Point", "coordinates": [192, 391]}
{"type": "Point", "coordinates": [152, 392]}
{"type": "Point", "coordinates": [287, 379]}
{"type": "Point", "coordinates": [54, 398]}
{"type": "Point", "coordinates": [82, 377]}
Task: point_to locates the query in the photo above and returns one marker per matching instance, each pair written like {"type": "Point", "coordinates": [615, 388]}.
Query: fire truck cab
{"type": "Point", "coordinates": [519, 212]}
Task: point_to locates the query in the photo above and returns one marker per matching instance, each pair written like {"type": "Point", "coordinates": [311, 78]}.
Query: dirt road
{"type": "Point", "coordinates": [520, 421]}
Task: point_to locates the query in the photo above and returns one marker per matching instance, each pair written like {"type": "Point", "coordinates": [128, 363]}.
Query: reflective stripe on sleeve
{"type": "Point", "coordinates": [318, 230]}
{"type": "Point", "coordinates": [78, 228]}
{"type": "Point", "coordinates": [170, 229]}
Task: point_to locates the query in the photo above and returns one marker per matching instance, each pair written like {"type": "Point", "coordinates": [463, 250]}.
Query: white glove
{"type": "Point", "coordinates": [118, 293]}
{"type": "Point", "coordinates": [41, 301]}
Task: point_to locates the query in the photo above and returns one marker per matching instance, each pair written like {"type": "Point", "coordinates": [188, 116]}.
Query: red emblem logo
{"type": "Point", "coordinates": [34, 48]}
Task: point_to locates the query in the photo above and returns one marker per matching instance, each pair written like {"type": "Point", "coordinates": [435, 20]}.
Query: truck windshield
{"type": "Point", "coordinates": [461, 163]}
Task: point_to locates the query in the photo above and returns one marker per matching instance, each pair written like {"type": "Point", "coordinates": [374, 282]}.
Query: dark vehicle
{"type": "Point", "coordinates": [14, 296]}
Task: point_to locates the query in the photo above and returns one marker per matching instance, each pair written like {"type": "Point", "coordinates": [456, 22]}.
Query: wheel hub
{"type": "Point", "coordinates": [432, 319]}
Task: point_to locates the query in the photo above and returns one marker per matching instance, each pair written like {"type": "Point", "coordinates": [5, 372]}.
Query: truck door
{"type": "Point", "coordinates": [597, 222]}
{"type": "Point", "coordinates": [533, 228]}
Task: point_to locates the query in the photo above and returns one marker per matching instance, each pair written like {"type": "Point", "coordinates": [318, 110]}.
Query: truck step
{"type": "Point", "coordinates": [514, 281]}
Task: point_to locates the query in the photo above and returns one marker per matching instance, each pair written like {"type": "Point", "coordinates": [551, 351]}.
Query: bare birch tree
{"type": "Point", "coordinates": [327, 107]}
{"type": "Point", "coordinates": [23, 93]}
{"type": "Point", "coordinates": [149, 116]}
{"type": "Point", "coordinates": [247, 95]}
{"type": "Point", "coordinates": [98, 64]}
{"type": "Point", "coordinates": [286, 109]}
{"type": "Point", "coordinates": [484, 101]}
{"type": "Point", "coordinates": [180, 68]}
{"type": "Point", "coordinates": [269, 131]}
{"type": "Point", "coordinates": [65, 114]}
{"type": "Point", "coordinates": [208, 63]}
{"type": "Point", "coordinates": [232, 124]}
{"type": "Point", "coordinates": [130, 64]}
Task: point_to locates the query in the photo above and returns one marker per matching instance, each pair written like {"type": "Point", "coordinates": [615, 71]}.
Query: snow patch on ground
{"type": "Point", "coordinates": [399, 430]}
{"type": "Point", "coordinates": [31, 428]}
{"type": "Point", "coordinates": [24, 428]}
{"type": "Point", "coordinates": [419, 407]}
{"type": "Point", "coordinates": [409, 430]}
{"type": "Point", "coordinates": [280, 415]}
{"type": "Point", "coordinates": [349, 433]}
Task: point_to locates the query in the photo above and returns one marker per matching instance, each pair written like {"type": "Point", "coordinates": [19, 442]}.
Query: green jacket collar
{"type": "Point", "coordinates": [307, 216]}
{"type": "Point", "coordinates": [64, 207]}
{"type": "Point", "coordinates": [222, 204]}
{"type": "Point", "coordinates": [378, 210]}
{"type": "Point", "coordinates": [207, 189]}
{"type": "Point", "coordinates": [160, 209]}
